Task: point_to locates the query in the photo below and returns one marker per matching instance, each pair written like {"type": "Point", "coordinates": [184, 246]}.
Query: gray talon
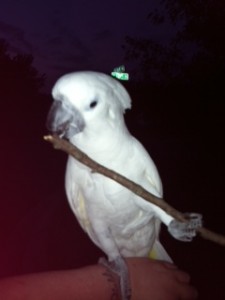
{"type": "Point", "coordinates": [185, 231]}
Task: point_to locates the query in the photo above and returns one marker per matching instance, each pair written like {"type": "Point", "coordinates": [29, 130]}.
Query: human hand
{"type": "Point", "coordinates": [158, 280]}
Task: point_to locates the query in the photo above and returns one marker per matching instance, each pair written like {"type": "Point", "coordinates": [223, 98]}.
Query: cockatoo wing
{"type": "Point", "coordinates": [76, 199]}
{"type": "Point", "coordinates": [151, 182]}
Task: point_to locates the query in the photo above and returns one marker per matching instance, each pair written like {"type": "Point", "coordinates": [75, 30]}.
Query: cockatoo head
{"type": "Point", "coordinates": [86, 99]}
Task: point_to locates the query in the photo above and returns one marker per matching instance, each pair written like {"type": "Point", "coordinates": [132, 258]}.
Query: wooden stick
{"type": "Point", "coordinates": [72, 150]}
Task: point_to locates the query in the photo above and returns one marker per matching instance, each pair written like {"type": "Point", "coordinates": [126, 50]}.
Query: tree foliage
{"type": "Point", "coordinates": [196, 54]}
{"type": "Point", "coordinates": [156, 62]}
{"type": "Point", "coordinates": [17, 73]}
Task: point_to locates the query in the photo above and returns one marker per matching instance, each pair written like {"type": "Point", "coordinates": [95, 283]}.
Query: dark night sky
{"type": "Point", "coordinates": [38, 232]}
{"type": "Point", "coordinates": [75, 35]}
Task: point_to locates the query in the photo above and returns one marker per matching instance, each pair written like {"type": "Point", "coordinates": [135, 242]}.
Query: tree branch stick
{"type": "Point", "coordinates": [72, 150]}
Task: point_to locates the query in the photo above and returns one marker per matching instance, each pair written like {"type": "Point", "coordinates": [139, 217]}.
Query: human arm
{"type": "Point", "coordinates": [149, 280]}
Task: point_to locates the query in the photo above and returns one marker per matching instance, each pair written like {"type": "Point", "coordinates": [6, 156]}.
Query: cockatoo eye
{"type": "Point", "coordinates": [93, 103]}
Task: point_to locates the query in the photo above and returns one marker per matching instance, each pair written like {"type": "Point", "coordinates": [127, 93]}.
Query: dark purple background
{"type": "Point", "coordinates": [75, 35]}
{"type": "Point", "coordinates": [37, 229]}
{"type": "Point", "coordinates": [184, 135]}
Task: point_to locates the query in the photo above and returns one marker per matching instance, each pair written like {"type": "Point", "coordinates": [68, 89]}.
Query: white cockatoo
{"type": "Point", "coordinates": [88, 110]}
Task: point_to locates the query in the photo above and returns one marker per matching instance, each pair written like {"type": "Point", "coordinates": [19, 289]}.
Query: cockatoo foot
{"type": "Point", "coordinates": [119, 267]}
{"type": "Point", "coordinates": [185, 231]}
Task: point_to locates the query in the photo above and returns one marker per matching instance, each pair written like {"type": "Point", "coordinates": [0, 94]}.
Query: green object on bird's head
{"type": "Point", "coordinates": [119, 73]}
{"type": "Point", "coordinates": [120, 76]}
